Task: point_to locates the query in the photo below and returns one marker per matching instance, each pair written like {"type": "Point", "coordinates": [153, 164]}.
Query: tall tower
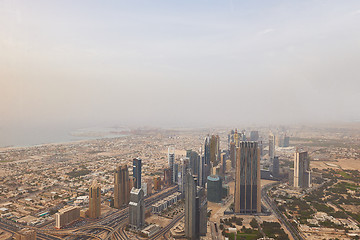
{"type": "Point", "coordinates": [247, 180]}
{"type": "Point", "coordinates": [254, 136]}
{"type": "Point", "coordinates": [195, 209]}
{"type": "Point", "coordinates": [137, 172]}
{"type": "Point", "coordinates": [190, 208]}
{"type": "Point", "coordinates": [171, 160]}
{"type": "Point", "coordinates": [137, 208]}
{"type": "Point", "coordinates": [94, 200]}
{"type": "Point", "coordinates": [301, 170]}
{"type": "Point", "coordinates": [271, 146]}
{"type": "Point", "coordinates": [121, 187]}
{"type": "Point", "coordinates": [233, 154]}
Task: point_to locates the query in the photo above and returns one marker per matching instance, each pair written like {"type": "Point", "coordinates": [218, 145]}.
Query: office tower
{"type": "Point", "coordinates": [214, 188]}
{"type": "Point", "coordinates": [190, 208]}
{"type": "Point", "coordinates": [301, 170]}
{"type": "Point", "coordinates": [233, 154]}
{"type": "Point", "coordinates": [195, 209]}
{"type": "Point", "coordinates": [214, 149]}
{"type": "Point", "coordinates": [25, 234]}
{"type": "Point", "coordinates": [94, 200]}
{"type": "Point", "coordinates": [247, 179]}
{"type": "Point", "coordinates": [207, 150]}
{"type": "Point", "coordinates": [201, 205]}
{"type": "Point", "coordinates": [66, 216]}
{"type": "Point", "coordinates": [254, 136]}
{"type": "Point", "coordinates": [176, 173]}
{"type": "Point", "coordinates": [193, 161]}
{"type": "Point", "coordinates": [167, 177]}
{"type": "Point", "coordinates": [271, 146]}
{"type": "Point", "coordinates": [171, 160]}
{"type": "Point", "coordinates": [121, 187]}
{"type": "Point", "coordinates": [223, 163]}
{"type": "Point", "coordinates": [275, 167]}
{"type": "Point", "coordinates": [149, 183]}
{"type": "Point", "coordinates": [201, 170]}
{"type": "Point", "coordinates": [157, 183]}
{"type": "Point", "coordinates": [137, 208]}
{"type": "Point", "coordinates": [137, 172]}
{"type": "Point", "coordinates": [236, 138]}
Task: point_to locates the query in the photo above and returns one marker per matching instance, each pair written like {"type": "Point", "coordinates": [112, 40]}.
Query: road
{"type": "Point", "coordinates": [111, 223]}
{"type": "Point", "coordinates": [295, 233]}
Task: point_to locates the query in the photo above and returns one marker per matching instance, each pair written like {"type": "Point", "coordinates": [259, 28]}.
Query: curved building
{"type": "Point", "coordinates": [214, 188]}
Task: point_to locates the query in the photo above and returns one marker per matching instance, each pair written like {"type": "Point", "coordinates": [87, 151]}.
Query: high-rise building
{"type": "Point", "coordinates": [171, 160]}
{"type": "Point", "coordinates": [233, 154]}
{"type": "Point", "coordinates": [94, 200]}
{"type": "Point", "coordinates": [275, 167]}
{"type": "Point", "coordinates": [301, 170]}
{"type": "Point", "coordinates": [137, 208]}
{"type": "Point", "coordinates": [202, 171]}
{"type": "Point", "coordinates": [167, 177]}
{"type": "Point", "coordinates": [214, 150]}
{"type": "Point", "coordinates": [214, 188]}
{"type": "Point", "coordinates": [137, 172]}
{"type": "Point", "coordinates": [193, 161]}
{"type": "Point", "coordinates": [254, 136]}
{"type": "Point", "coordinates": [66, 216]}
{"type": "Point", "coordinates": [176, 173]}
{"type": "Point", "coordinates": [223, 163]}
{"type": "Point", "coordinates": [195, 209]}
{"type": "Point", "coordinates": [157, 183]}
{"type": "Point", "coordinates": [121, 187]}
{"type": "Point", "coordinates": [271, 146]}
{"type": "Point", "coordinates": [247, 179]}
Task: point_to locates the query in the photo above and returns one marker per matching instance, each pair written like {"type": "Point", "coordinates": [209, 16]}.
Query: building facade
{"type": "Point", "coordinates": [137, 172]}
{"type": "Point", "coordinates": [247, 199]}
{"type": "Point", "coordinates": [137, 209]}
{"type": "Point", "coordinates": [214, 189]}
{"type": "Point", "coordinates": [66, 216]}
{"type": "Point", "coordinates": [121, 187]}
{"type": "Point", "coordinates": [301, 170]}
{"type": "Point", "coordinates": [195, 209]}
{"type": "Point", "coordinates": [94, 200]}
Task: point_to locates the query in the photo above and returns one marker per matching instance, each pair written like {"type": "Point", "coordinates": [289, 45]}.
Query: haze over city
{"type": "Point", "coordinates": [66, 65]}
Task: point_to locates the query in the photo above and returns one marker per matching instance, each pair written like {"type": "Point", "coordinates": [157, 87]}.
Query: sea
{"type": "Point", "coordinates": [27, 137]}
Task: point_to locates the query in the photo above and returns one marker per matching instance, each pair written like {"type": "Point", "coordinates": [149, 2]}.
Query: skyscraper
{"type": "Point", "coordinates": [137, 172]}
{"type": "Point", "coordinates": [167, 177]}
{"type": "Point", "coordinates": [190, 208]}
{"type": "Point", "coordinates": [121, 187]}
{"type": "Point", "coordinates": [247, 180]}
{"type": "Point", "coordinates": [214, 150]}
{"type": "Point", "coordinates": [214, 189]}
{"type": "Point", "coordinates": [171, 160]}
{"type": "Point", "coordinates": [94, 200]}
{"type": "Point", "coordinates": [137, 208]}
{"type": "Point", "coordinates": [195, 209]}
{"type": "Point", "coordinates": [271, 146]}
{"type": "Point", "coordinates": [275, 167]}
{"type": "Point", "coordinates": [254, 136]}
{"type": "Point", "coordinates": [233, 154]}
{"type": "Point", "coordinates": [301, 170]}
{"type": "Point", "coordinates": [176, 173]}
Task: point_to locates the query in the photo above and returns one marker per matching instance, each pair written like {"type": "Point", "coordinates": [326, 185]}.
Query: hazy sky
{"type": "Point", "coordinates": [163, 63]}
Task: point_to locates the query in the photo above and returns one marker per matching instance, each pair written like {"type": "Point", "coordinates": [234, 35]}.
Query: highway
{"type": "Point", "coordinates": [295, 233]}
{"type": "Point", "coordinates": [112, 223]}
